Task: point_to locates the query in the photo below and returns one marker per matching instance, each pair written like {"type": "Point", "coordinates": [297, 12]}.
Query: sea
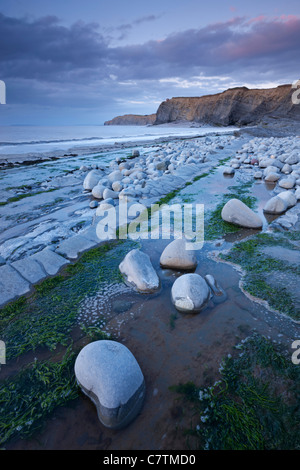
{"type": "Point", "coordinates": [18, 140]}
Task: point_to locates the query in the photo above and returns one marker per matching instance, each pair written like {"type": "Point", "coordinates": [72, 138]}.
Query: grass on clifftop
{"type": "Point", "coordinates": [255, 404]}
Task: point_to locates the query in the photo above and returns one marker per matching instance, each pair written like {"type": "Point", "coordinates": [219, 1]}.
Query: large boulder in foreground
{"type": "Point", "coordinates": [237, 213]}
{"type": "Point", "coordinates": [108, 373]}
{"type": "Point", "coordinates": [176, 256]}
{"type": "Point", "coordinates": [138, 271]}
{"type": "Point", "coordinates": [190, 293]}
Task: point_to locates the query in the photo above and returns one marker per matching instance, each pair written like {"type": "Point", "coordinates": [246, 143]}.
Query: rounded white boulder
{"type": "Point", "coordinates": [287, 183]}
{"type": "Point", "coordinates": [272, 177]}
{"type": "Point", "coordinates": [108, 373]}
{"type": "Point", "coordinates": [97, 191]}
{"type": "Point", "coordinates": [92, 179]}
{"type": "Point", "coordinates": [115, 176]}
{"type": "Point", "coordinates": [109, 193]}
{"type": "Point", "coordinates": [138, 271]}
{"type": "Point", "coordinates": [177, 256]}
{"type": "Point", "coordinates": [275, 205]}
{"type": "Point", "coordinates": [190, 293]}
{"type": "Point", "coordinates": [237, 213]}
{"type": "Point", "coordinates": [289, 197]}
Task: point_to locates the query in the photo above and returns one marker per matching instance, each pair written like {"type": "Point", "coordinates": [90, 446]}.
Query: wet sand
{"type": "Point", "coordinates": [171, 348]}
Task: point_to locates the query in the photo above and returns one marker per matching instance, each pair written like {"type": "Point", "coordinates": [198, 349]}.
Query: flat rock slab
{"type": "Point", "coordinates": [12, 285]}
{"type": "Point", "coordinates": [30, 269]}
{"type": "Point", "coordinates": [51, 261]}
{"type": "Point", "coordinates": [91, 234]}
{"type": "Point", "coordinates": [287, 221]}
{"type": "Point", "coordinates": [284, 254]}
{"type": "Point", "coordinates": [74, 246]}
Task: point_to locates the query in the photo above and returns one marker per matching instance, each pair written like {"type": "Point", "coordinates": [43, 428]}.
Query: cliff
{"type": "Point", "coordinates": [235, 106]}
{"type": "Point", "coordinates": [131, 120]}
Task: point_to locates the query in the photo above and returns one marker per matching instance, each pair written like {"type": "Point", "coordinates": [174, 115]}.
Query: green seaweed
{"type": "Point", "coordinates": [215, 226]}
{"type": "Point", "coordinates": [47, 317]}
{"type": "Point", "coordinates": [257, 265]}
{"type": "Point", "coordinates": [199, 177]}
{"type": "Point", "coordinates": [23, 196]}
{"type": "Point", "coordinates": [33, 393]}
{"type": "Point", "coordinates": [254, 406]}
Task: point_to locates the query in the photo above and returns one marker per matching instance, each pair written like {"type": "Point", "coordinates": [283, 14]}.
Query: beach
{"type": "Point", "coordinates": [48, 206]}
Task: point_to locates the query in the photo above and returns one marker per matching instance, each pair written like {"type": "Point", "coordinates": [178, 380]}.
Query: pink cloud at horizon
{"type": "Point", "coordinates": [265, 36]}
{"type": "Point", "coordinates": [262, 18]}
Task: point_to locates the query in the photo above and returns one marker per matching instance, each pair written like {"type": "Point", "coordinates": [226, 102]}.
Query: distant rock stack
{"type": "Point", "coordinates": [132, 120]}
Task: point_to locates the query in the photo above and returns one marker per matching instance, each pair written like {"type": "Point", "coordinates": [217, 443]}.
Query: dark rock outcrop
{"type": "Point", "coordinates": [131, 120]}
{"type": "Point", "coordinates": [235, 106]}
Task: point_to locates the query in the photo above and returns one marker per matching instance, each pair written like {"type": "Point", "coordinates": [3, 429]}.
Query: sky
{"type": "Point", "coordinates": [72, 62]}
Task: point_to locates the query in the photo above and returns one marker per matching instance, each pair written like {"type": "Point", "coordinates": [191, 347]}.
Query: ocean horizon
{"type": "Point", "coordinates": [17, 140]}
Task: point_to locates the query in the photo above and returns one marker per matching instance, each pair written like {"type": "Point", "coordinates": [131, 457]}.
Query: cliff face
{"type": "Point", "coordinates": [236, 106]}
{"type": "Point", "coordinates": [131, 120]}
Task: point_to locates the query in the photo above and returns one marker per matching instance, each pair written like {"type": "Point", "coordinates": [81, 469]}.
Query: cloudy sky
{"type": "Point", "coordinates": [67, 62]}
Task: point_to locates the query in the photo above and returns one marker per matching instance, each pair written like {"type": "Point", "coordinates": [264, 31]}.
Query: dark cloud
{"type": "Point", "coordinates": [44, 49]}
{"type": "Point", "coordinates": [147, 18]}
{"type": "Point", "coordinates": [229, 47]}
{"type": "Point", "coordinates": [57, 61]}
{"type": "Point", "coordinates": [125, 28]}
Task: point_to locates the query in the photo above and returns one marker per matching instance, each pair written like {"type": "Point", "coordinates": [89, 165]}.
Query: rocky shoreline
{"type": "Point", "coordinates": [20, 273]}
{"type": "Point", "coordinates": [32, 158]}
{"type": "Point", "coordinates": [147, 179]}
{"type": "Point", "coordinates": [268, 127]}
{"type": "Point", "coordinates": [157, 287]}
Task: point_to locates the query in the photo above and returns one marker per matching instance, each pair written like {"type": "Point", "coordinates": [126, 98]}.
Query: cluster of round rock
{"type": "Point", "coordinates": [106, 370]}
{"type": "Point", "coordinates": [277, 161]}
{"type": "Point", "coordinates": [129, 178]}
{"type": "Point", "coordinates": [190, 292]}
